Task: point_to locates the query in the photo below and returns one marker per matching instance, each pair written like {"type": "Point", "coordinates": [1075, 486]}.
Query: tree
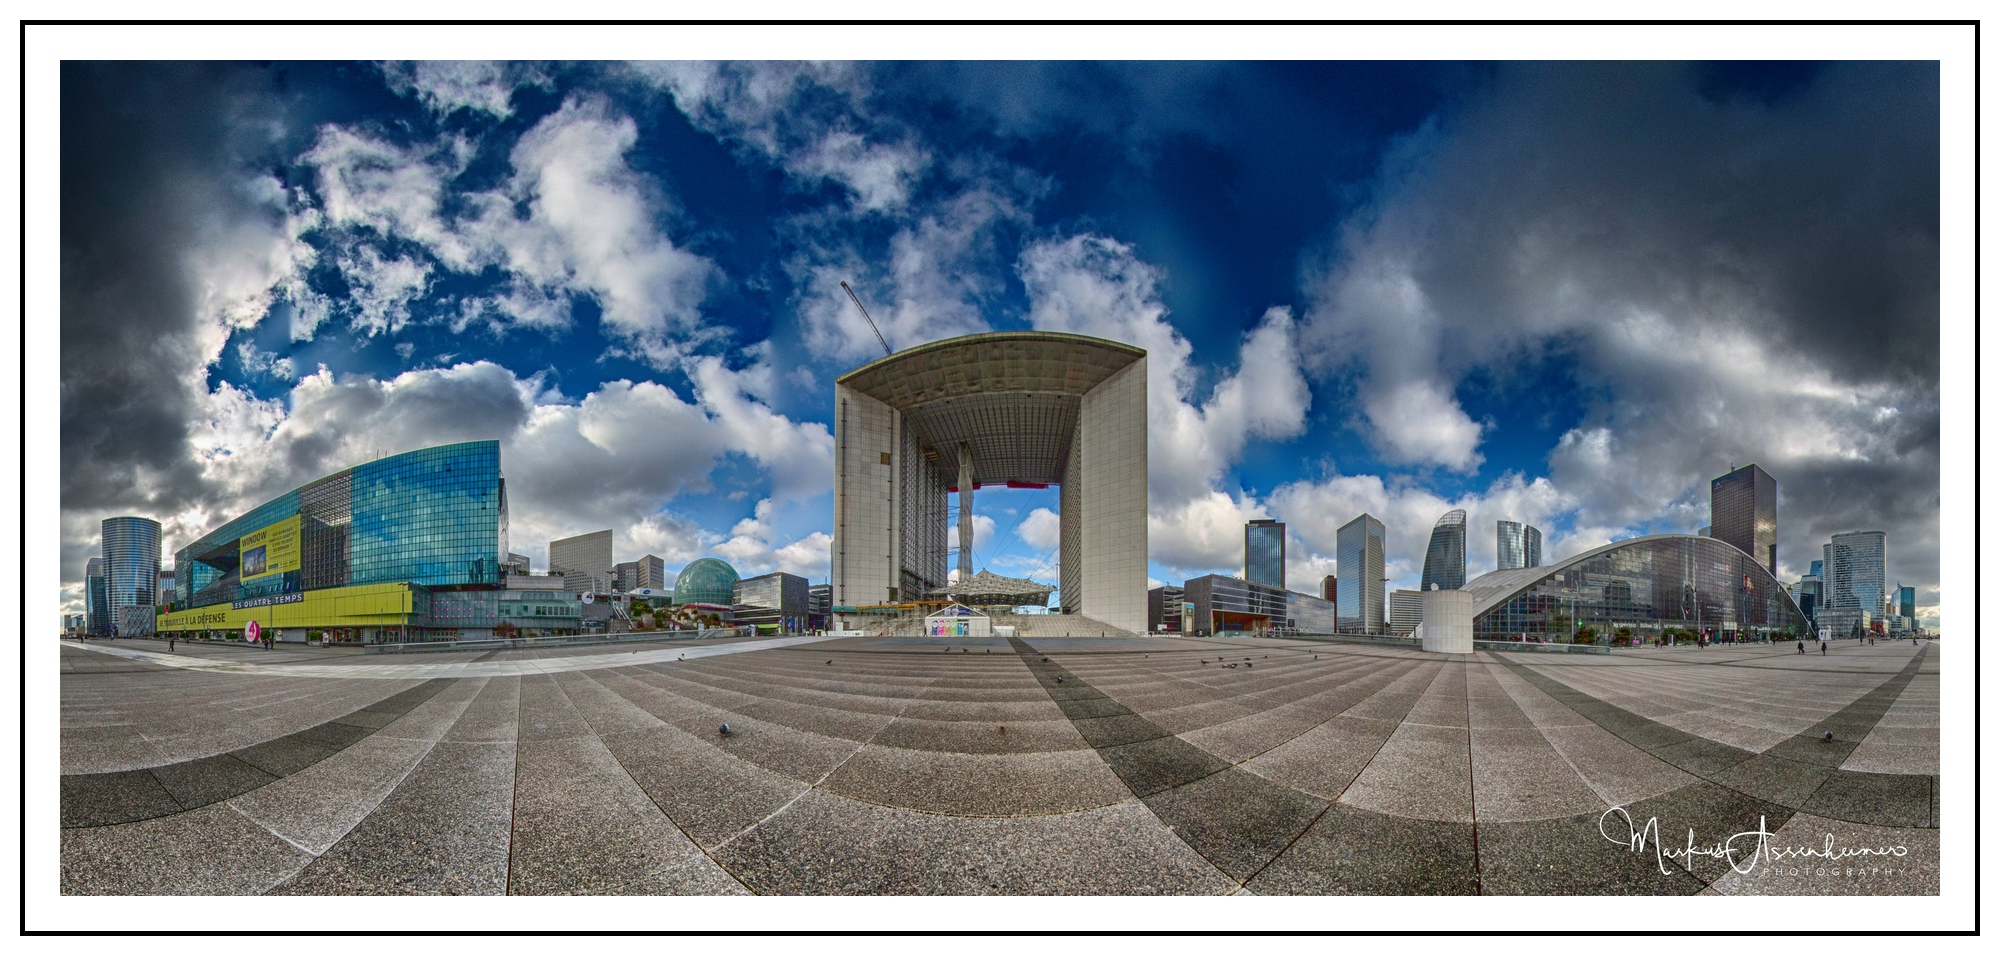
{"type": "Point", "coordinates": [505, 631]}
{"type": "Point", "coordinates": [1586, 635]}
{"type": "Point", "coordinates": [1623, 638]}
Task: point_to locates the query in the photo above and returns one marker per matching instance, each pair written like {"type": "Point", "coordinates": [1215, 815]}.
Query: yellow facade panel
{"type": "Point", "coordinates": [364, 605]}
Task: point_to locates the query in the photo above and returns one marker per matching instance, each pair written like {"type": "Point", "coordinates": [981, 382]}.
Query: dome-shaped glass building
{"type": "Point", "coordinates": [706, 581]}
{"type": "Point", "coordinates": [1646, 584]}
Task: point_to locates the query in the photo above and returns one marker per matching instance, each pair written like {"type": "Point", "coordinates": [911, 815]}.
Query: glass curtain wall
{"type": "Point", "coordinates": [435, 517]}
{"type": "Point", "coordinates": [1680, 581]}
{"type": "Point", "coordinates": [1444, 559]}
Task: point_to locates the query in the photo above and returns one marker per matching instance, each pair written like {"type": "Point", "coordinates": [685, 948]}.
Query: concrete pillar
{"type": "Point", "coordinates": [1109, 456]}
{"type": "Point", "coordinates": [864, 500]}
{"type": "Point", "coordinates": [1447, 627]}
{"type": "Point", "coordinates": [964, 510]}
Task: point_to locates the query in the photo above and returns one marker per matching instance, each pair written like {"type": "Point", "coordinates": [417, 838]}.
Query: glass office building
{"type": "Point", "coordinates": [94, 621]}
{"type": "Point", "coordinates": [777, 601]}
{"type": "Point", "coordinates": [1406, 611]}
{"type": "Point", "coordinates": [1444, 559]}
{"type": "Point", "coordinates": [1807, 593]}
{"type": "Point", "coordinates": [1359, 553]}
{"type": "Point", "coordinates": [1221, 604]}
{"type": "Point", "coordinates": [1264, 553]}
{"type": "Point", "coordinates": [1743, 510]}
{"type": "Point", "coordinates": [1854, 581]}
{"type": "Point", "coordinates": [1517, 545]}
{"type": "Point", "coordinates": [435, 517]}
{"type": "Point", "coordinates": [1645, 584]}
{"type": "Point", "coordinates": [130, 548]}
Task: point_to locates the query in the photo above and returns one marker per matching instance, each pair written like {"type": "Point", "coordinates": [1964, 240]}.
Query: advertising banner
{"type": "Point", "coordinates": [272, 549]}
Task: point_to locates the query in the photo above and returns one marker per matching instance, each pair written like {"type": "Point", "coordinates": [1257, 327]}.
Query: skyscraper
{"type": "Point", "coordinates": [1743, 510]}
{"type": "Point", "coordinates": [1329, 588]}
{"type": "Point", "coordinates": [94, 598]}
{"type": "Point", "coordinates": [647, 572]}
{"type": "Point", "coordinates": [1517, 545]}
{"type": "Point", "coordinates": [1444, 560]}
{"type": "Point", "coordinates": [1855, 580]}
{"type": "Point", "coordinates": [1906, 600]}
{"type": "Point", "coordinates": [131, 548]}
{"type": "Point", "coordinates": [1509, 546]}
{"type": "Point", "coordinates": [1359, 553]}
{"type": "Point", "coordinates": [1264, 552]}
{"type": "Point", "coordinates": [584, 555]}
{"type": "Point", "coordinates": [1807, 593]}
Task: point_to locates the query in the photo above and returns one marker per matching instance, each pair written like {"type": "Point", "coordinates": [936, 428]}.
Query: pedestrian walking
{"type": "Point", "coordinates": [1802, 647]}
{"type": "Point", "coordinates": [1822, 647]}
{"type": "Point", "coordinates": [170, 645]}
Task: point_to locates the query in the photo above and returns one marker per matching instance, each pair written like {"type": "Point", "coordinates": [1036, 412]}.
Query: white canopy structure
{"type": "Point", "coordinates": [987, 589]}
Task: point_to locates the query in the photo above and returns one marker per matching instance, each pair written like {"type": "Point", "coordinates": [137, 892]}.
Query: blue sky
{"type": "Point", "coordinates": [1569, 294]}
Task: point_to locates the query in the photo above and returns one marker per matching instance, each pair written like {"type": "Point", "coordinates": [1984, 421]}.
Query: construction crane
{"type": "Point", "coordinates": [871, 319]}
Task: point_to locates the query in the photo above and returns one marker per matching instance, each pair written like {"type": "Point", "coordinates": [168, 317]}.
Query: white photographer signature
{"type": "Point", "coordinates": [1741, 855]}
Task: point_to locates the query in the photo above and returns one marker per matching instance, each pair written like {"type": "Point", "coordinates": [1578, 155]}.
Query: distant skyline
{"type": "Point", "coordinates": [1567, 294]}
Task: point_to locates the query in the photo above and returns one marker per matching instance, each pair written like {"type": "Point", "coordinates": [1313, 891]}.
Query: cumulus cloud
{"type": "Point", "coordinates": [1098, 286]}
{"type": "Point", "coordinates": [1202, 534]}
{"type": "Point", "coordinates": [1041, 529]}
{"type": "Point", "coordinates": [811, 118]}
{"type": "Point", "coordinates": [927, 265]}
{"type": "Point", "coordinates": [446, 86]}
{"type": "Point", "coordinates": [616, 458]}
{"type": "Point", "coordinates": [939, 279]}
{"type": "Point", "coordinates": [591, 228]}
{"type": "Point", "coordinates": [983, 530]}
{"type": "Point", "coordinates": [750, 548]}
{"type": "Point", "coordinates": [596, 215]}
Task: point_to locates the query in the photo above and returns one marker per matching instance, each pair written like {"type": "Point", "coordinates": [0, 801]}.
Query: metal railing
{"type": "Point", "coordinates": [576, 640]}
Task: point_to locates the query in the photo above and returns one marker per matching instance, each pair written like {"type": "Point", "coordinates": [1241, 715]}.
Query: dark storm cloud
{"type": "Point", "coordinates": [1812, 220]}
{"type": "Point", "coordinates": [153, 170]}
{"type": "Point", "coordinates": [1736, 272]}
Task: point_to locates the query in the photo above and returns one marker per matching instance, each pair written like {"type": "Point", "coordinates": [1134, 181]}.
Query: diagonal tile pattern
{"type": "Point", "coordinates": [1135, 765]}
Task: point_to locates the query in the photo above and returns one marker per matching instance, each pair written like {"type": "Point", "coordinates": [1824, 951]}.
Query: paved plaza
{"type": "Point", "coordinates": [871, 765]}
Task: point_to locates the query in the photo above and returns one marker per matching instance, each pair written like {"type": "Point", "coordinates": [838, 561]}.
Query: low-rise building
{"type": "Point", "coordinates": [1406, 611]}
{"type": "Point", "coordinates": [1221, 603]}
{"type": "Point", "coordinates": [775, 602]}
{"type": "Point", "coordinates": [1164, 608]}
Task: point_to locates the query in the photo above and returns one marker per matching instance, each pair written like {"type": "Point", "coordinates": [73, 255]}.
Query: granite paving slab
{"type": "Point", "coordinates": [314, 807]}
{"type": "Point", "coordinates": [978, 784]}
{"type": "Point", "coordinates": [207, 852]}
{"type": "Point", "coordinates": [442, 831]}
{"type": "Point", "coordinates": [710, 795]}
{"type": "Point", "coordinates": [825, 844]}
{"type": "Point", "coordinates": [1570, 856]}
{"type": "Point", "coordinates": [1236, 820]}
{"type": "Point", "coordinates": [1879, 799]}
{"type": "Point", "coordinates": [699, 876]}
{"type": "Point", "coordinates": [581, 824]}
{"type": "Point", "coordinates": [1352, 851]}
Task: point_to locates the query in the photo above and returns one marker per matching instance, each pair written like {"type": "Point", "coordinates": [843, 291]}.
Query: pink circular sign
{"type": "Point", "coordinates": [251, 632]}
